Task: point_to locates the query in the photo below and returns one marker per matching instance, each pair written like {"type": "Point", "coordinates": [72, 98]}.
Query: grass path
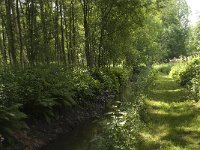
{"type": "Point", "coordinates": [173, 122]}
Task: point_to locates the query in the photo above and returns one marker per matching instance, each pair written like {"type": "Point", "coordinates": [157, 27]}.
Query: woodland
{"type": "Point", "coordinates": [62, 62]}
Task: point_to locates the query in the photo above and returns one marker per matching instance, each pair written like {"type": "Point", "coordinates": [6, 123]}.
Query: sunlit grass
{"type": "Point", "coordinates": [173, 121]}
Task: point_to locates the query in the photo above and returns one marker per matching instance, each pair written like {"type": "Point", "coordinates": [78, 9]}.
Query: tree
{"type": "Point", "coordinates": [175, 28]}
{"type": "Point", "coordinates": [194, 39]}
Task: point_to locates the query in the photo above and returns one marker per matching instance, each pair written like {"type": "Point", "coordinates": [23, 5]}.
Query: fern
{"type": "Point", "coordinates": [11, 119]}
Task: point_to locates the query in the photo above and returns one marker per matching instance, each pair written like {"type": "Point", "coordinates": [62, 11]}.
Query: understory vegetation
{"type": "Point", "coordinates": [186, 72]}
{"type": "Point", "coordinates": [171, 117]}
{"type": "Point", "coordinates": [42, 93]}
{"type": "Point", "coordinates": [62, 55]}
{"type": "Point", "coordinates": [123, 123]}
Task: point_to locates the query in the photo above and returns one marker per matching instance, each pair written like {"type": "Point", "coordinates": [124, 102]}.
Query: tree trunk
{"type": "Point", "coordinates": [20, 32]}
{"type": "Point", "coordinates": [10, 32]}
{"type": "Point", "coordinates": [85, 6]}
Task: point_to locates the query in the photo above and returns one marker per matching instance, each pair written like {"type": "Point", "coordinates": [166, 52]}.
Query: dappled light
{"type": "Point", "coordinates": [99, 75]}
{"type": "Point", "coordinates": [173, 120]}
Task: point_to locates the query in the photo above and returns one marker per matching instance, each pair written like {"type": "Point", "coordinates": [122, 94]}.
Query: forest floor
{"type": "Point", "coordinates": [173, 121]}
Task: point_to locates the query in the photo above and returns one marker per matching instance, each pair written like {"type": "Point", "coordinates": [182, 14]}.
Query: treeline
{"type": "Point", "coordinates": [93, 33]}
{"type": "Point", "coordinates": [69, 32]}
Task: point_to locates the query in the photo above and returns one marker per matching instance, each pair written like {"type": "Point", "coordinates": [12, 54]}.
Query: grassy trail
{"type": "Point", "coordinates": [173, 122]}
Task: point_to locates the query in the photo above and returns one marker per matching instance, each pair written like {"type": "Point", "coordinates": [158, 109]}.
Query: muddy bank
{"type": "Point", "coordinates": [41, 133]}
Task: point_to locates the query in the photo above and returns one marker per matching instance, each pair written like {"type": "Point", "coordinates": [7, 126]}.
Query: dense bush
{"type": "Point", "coordinates": [187, 73]}
{"type": "Point", "coordinates": [177, 70]}
{"type": "Point", "coordinates": [39, 93]}
{"type": "Point", "coordinates": [85, 86]}
{"type": "Point", "coordinates": [191, 71]}
{"type": "Point", "coordinates": [39, 90]}
{"type": "Point", "coordinates": [112, 78]}
{"type": "Point", "coordinates": [11, 119]}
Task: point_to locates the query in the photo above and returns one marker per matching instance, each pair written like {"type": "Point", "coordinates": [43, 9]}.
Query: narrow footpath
{"type": "Point", "coordinates": [173, 121]}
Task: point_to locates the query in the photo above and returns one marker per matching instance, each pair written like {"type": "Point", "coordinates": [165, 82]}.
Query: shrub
{"type": "Point", "coordinates": [177, 70]}
{"type": "Point", "coordinates": [42, 92]}
{"type": "Point", "coordinates": [192, 69]}
{"type": "Point", "coordinates": [188, 74]}
{"type": "Point", "coordinates": [111, 79]}
{"type": "Point", "coordinates": [11, 119]}
{"type": "Point", "coordinates": [124, 124]}
{"type": "Point", "coordinates": [84, 86]}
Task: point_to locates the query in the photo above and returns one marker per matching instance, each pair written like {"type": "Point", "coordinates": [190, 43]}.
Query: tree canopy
{"type": "Point", "coordinates": [93, 33]}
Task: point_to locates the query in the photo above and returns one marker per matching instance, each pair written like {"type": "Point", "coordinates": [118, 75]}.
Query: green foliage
{"type": "Point", "coordinates": [195, 87]}
{"type": "Point", "coordinates": [194, 38]}
{"type": "Point", "coordinates": [191, 71]}
{"type": "Point", "coordinates": [163, 68]}
{"type": "Point", "coordinates": [142, 79]}
{"type": "Point", "coordinates": [111, 79]}
{"type": "Point", "coordinates": [85, 86]}
{"type": "Point", "coordinates": [43, 92]}
{"type": "Point", "coordinates": [123, 123]}
{"type": "Point", "coordinates": [187, 74]}
{"type": "Point", "coordinates": [11, 120]}
{"type": "Point", "coordinates": [40, 90]}
{"type": "Point", "coordinates": [177, 70]}
{"type": "Point", "coordinates": [175, 28]}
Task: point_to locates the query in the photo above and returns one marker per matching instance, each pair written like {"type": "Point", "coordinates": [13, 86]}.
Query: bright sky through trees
{"type": "Point", "coordinates": [195, 10]}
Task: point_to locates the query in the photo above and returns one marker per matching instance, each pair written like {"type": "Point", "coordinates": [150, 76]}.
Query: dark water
{"type": "Point", "coordinates": [78, 139]}
{"type": "Point", "coordinates": [82, 137]}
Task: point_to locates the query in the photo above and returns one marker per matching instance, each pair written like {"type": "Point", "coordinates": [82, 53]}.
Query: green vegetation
{"type": "Point", "coordinates": [172, 119]}
{"type": "Point", "coordinates": [122, 124]}
{"type": "Point", "coordinates": [42, 93]}
{"type": "Point", "coordinates": [60, 55]}
{"type": "Point", "coordinates": [186, 73]}
{"type": "Point", "coordinates": [163, 68]}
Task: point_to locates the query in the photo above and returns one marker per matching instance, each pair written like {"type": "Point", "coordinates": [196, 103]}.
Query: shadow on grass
{"type": "Point", "coordinates": [177, 95]}
{"type": "Point", "coordinates": [170, 116]}
{"type": "Point", "coordinates": [144, 145]}
{"type": "Point", "coordinates": [172, 120]}
{"type": "Point", "coordinates": [182, 138]}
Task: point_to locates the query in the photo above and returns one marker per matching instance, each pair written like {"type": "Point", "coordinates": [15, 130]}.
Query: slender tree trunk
{"type": "Point", "coordinates": [67, 37]}
{"type": "Point", "coordinates": [10, 31]}
{"type": "Point", "coordinates": [45, 47]}
{"type": "Point", "coordinates": [62, 34]}
{"type": "Point", "coordinates": [73, 35]}
{"type": "Point", "coordinates": [2, 49]}
{"type": "Point", "coordinates": [2, 39]}
{"type": "Point", "coordinates": [20, 32]}
{"type": "Point", "coordinates": [85, 6]}
{"type": "Point", "coordinates": [56, 28]}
